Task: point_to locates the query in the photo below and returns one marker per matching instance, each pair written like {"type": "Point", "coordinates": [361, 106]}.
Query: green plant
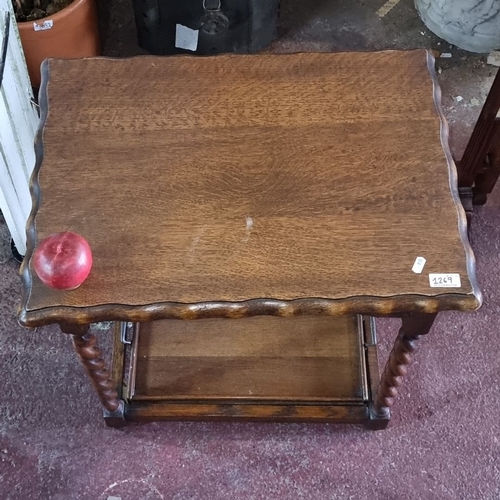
{"type": "Point", "coordinates": [30, 10]}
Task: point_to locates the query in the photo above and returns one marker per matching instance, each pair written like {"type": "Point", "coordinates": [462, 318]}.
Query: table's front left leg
{"type": "Point", "coordinates": [412, 328]}
{"type": "Point", "coordinates": [85, 344]}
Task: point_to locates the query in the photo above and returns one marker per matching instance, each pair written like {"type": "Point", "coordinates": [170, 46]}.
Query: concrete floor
{"type": "Point", "coordinates": [443, 441]}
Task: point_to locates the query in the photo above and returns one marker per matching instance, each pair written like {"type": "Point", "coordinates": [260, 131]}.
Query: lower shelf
{"type": "Point", "coordinates": [310, 368]}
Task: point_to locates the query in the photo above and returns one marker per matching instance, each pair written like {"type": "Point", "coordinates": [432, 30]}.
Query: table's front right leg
{"type": "Point", "coordinates": [412, 328]}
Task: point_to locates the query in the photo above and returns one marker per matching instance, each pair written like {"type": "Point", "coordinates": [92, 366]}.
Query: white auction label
{"type": "Point", "coordinates": [46, 25]}
{"type": "Point", "coordinates": [186, 38]}
{"type": "Point", "coordinates": [419, 264]}
{"type": "Point", "coordinates": [444, 280]}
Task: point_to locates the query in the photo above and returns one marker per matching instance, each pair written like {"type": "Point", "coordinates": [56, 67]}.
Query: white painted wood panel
{"type": "Point", "coordinates": [18, 124]}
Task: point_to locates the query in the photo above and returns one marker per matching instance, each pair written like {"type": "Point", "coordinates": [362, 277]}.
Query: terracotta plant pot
{"type": "Point", "coordinates": [68, 34]}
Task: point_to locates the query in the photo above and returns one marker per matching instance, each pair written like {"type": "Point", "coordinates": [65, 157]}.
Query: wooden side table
{"type": "Point", "coordinates": [280, 201]}
{"type": "Point", "coordinates": [479, 168]}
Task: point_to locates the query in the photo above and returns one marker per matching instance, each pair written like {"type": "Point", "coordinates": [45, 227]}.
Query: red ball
{"type": "Point", "coordinates": [63, 260]}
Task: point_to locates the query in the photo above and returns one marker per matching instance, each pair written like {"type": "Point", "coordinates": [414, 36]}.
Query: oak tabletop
{"type": "Point", "coordinates": [237, 185]}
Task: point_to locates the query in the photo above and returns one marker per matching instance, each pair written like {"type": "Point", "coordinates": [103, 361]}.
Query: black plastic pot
{"type": "Point", "coordinates": [205, 26]}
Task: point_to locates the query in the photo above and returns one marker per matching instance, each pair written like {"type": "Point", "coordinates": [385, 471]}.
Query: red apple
{"type": "Point", "coordinates": [63, 260]}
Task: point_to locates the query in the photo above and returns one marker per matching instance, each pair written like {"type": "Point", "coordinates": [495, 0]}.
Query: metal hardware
{"type": "Point", "coordinates": [211, 5]}
{"type": "Point", "coordinates": [125, 327]}
{"type": "Point", "coordinates": [35, 104]}
{"type": "Point", "coordinates": [372, 340]}
{"type": "Point", "coordinates": [213, 21]}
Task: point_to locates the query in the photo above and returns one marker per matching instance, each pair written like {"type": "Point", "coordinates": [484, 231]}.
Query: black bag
{"type": "Point", "coordinates": [205, 26]}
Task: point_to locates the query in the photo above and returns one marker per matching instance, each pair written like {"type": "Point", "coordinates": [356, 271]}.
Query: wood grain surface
{"type": "Point", "coordinates": [156, 411]}
{"type": "Point", "coordinates": [237, 178]}
{"type": "Point", "coordinates": [307, 359]}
